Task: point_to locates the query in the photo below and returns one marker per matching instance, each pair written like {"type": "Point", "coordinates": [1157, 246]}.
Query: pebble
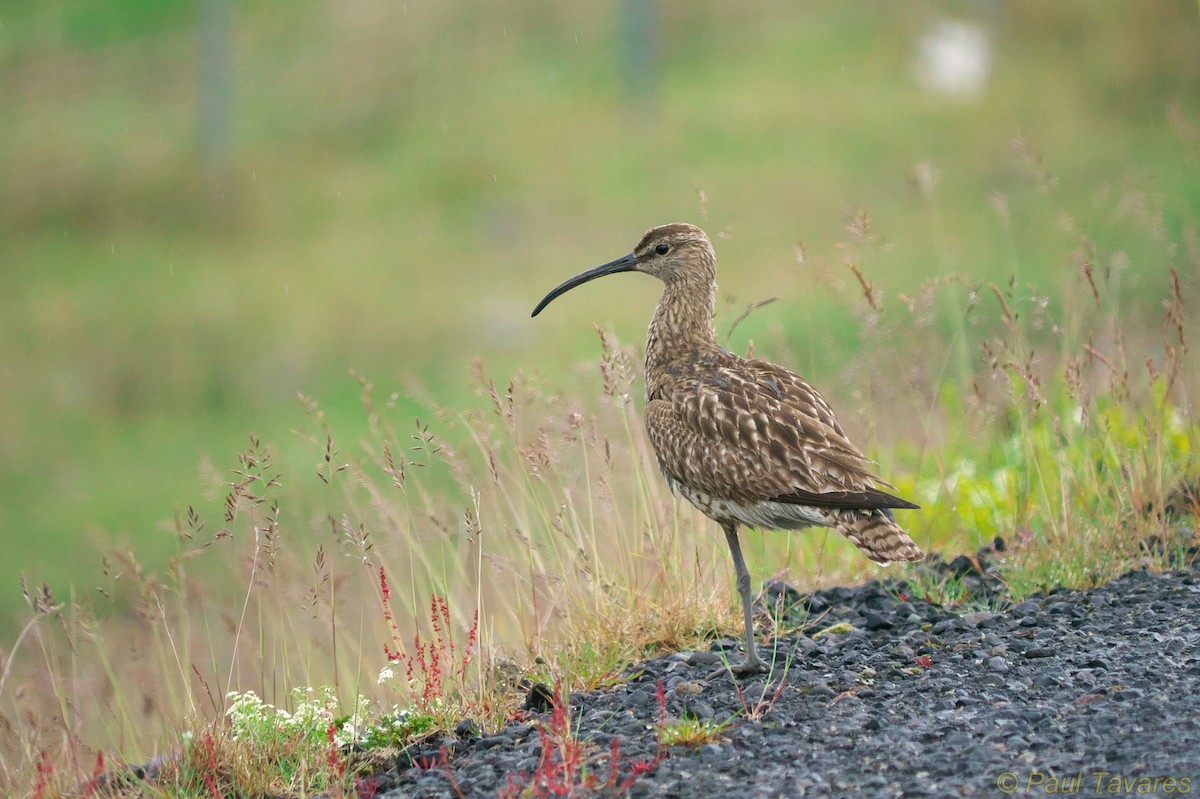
{"type": "Point", "coordinates": [705, 658]}
{"type": "Point", "coordinates": [807, 645]}
{"type": "Point", "coordinates": [874, 621]}
{"type": "Point", "coordinates": [899, 706]}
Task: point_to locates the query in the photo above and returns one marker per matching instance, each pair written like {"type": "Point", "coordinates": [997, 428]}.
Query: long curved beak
{"type": "Point", "coordinates": [626, 263]}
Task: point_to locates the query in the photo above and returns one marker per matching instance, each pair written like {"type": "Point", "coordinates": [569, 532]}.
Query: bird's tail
{"type": "Point", "coordinates": [876, 533]}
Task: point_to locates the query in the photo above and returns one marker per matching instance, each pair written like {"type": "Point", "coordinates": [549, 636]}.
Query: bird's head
{"type": "Point", "coordinates": [675, 254]}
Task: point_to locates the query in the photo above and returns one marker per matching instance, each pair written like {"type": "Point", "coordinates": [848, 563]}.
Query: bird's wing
{"type": "Point", "coordinates": [753, 431]}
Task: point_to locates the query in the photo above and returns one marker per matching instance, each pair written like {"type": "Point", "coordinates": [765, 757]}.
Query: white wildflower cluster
{"type": "Point", "coordinates": [396, 726]}
{"type": "Point", "coordinates": [356, 728]}
{"type": "Point", "coordinates": [313, 712]}
{"type": "Point", "coordinates": [249, 716]}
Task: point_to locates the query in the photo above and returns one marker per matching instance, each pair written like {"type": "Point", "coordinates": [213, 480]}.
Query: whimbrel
{"type": "Point", "coordinates": [745, 441]}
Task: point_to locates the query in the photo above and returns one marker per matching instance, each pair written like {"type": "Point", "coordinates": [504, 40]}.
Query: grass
{"type": "Point", "coordinates": [532, 526]}
{"type": "Point", "coordinates": [1008, 333]}
{"type": "Point", "coordinates": [147, 326]}
{"type": "Point", "coordinates": [694, 732]}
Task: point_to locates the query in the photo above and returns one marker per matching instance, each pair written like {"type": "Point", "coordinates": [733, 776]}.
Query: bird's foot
{"type": "Point", "coordinates": [749, 667]}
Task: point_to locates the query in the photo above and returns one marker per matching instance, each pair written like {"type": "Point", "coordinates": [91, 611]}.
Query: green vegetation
{"type": "Point", "coordinates": [693, 732]}
{"type": "Point", "coordinates": [458, 490]}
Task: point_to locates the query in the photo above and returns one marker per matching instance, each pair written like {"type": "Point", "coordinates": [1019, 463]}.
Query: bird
{"type": "Point", "coordinates": [746, 441]}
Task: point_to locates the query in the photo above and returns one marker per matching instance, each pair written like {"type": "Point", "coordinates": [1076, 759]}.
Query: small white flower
{"type": "Point", "coordinates": [386, 674]}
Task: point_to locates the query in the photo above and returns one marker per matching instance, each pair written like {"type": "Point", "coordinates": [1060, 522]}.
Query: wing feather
{"type": "Point", "coordinates": [748, 430]}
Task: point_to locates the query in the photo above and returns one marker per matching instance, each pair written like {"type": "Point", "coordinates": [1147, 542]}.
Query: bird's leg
{"type": "Point", "coordinates": [751, 665]}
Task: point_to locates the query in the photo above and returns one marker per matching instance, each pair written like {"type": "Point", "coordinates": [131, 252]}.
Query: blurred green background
{"type": "Point", "coordinates": [209, 206]}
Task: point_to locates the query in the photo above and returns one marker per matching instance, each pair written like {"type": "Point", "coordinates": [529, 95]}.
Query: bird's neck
{"type": "Point", "coordinates": [681, 325]}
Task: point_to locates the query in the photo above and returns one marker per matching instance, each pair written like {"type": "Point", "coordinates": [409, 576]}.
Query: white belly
{"type": "Point", "coordinates": [764, 515]}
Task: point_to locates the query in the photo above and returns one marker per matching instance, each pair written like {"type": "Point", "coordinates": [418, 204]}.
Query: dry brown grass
{"type": "Point", "coordinates": [1062, 425]}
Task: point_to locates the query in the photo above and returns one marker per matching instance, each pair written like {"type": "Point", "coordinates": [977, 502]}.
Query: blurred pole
{"type": "Point", "coordinates": [215, 123]}
{"type": "Point", "coordinates": [639, 52]}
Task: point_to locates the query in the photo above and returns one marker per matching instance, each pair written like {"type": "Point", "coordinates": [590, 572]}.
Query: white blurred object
{"type": "Point", "coordinates": [954, 59]}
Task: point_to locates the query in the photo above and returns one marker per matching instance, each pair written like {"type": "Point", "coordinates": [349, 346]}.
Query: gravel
{"type": "Point", "coordinates": [880, 693]}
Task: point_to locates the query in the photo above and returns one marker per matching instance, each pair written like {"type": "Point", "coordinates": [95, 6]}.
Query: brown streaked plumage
{"type": "Point", "coordinates": [745, 441]}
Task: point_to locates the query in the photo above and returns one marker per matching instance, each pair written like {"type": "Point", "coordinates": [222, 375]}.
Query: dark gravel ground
{"type": "Point", "coordinates": [882, 694]}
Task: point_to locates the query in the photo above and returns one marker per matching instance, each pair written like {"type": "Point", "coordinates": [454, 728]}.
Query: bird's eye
{"type": "Point", "coordinates": [662, 249]}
